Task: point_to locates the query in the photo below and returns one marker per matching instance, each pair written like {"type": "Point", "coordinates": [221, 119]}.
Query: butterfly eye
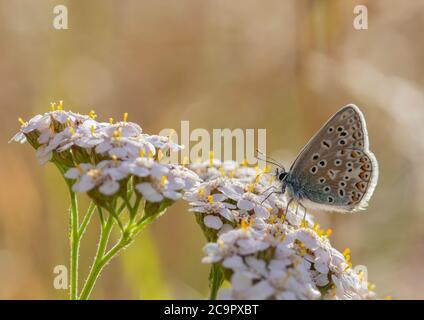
{"type": "Point", "coordinates": [282, 175]}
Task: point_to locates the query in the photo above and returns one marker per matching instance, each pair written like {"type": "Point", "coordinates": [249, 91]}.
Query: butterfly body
{"type": "Point", "coordinates": [335, 171]}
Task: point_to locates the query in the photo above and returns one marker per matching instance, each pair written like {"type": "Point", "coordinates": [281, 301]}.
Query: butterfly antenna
{"type": "Point", "coordinates": [269, 159]}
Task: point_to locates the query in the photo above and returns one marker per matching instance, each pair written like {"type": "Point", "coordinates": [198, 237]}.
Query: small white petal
{"type": "Point", "coordinates": [241, 281]}
{"type": "Point", "coordinates": [234, 263]}
{"type": "Point", "coordinates": [212, 222]}
{"type": "Point", "coordinates": [245, 204]}
{"type": "Point", "coordinates": [109, 187]}
{"type": "Point", "coordinates": [261, 212]}
{"type": "Point", "coordinates": [72, 173]}
{"type": "Point", "coordinates": [226, 213]}
{"type": "Point", "coordinates": [260, 291]}
{"type": "Point", "coordinates": [148, 192]}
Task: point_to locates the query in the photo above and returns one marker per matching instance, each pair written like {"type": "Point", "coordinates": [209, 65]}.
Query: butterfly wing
{"type": "Point", "coordinates": [336, 171]}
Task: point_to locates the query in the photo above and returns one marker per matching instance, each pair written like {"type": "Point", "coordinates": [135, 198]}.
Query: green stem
{"type": "Point", "coordinates": [216, 277]}
{"type": "Point", "coordinates": [96, 267]}
{"type": "Point", "coordinates": [86, 220]}
{"type": "Point", "coordinates": [75, 243]}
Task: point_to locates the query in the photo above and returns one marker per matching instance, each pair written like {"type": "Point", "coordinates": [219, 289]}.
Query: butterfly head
{"type": "Point", "coordinates": [281, 175]}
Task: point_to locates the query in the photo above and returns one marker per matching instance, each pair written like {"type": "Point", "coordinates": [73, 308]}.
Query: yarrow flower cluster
{"type": "Point", "coordinates": [102, 156]}
{"type": "Point", "coordinates": [118, 166]}
{"type": "Point", "coordinates": [264, 251]}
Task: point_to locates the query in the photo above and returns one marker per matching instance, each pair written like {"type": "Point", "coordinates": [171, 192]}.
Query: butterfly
{"type": "Point", "coordinates": [335, 171]}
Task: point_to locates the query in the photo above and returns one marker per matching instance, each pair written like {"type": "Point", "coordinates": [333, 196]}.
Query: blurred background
{"type": "Point", "coordinates": [285, 66]}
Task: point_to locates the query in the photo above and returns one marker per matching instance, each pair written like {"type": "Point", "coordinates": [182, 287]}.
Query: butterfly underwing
{"type": "Point", "coordinates": [335, 171]}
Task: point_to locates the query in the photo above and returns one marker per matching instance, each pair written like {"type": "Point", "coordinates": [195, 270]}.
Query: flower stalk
{"type": "Point", "coordinates": [119, 167]}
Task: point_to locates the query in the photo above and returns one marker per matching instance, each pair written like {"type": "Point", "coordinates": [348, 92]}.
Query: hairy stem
{"type": "Point", "coordinates": [216, 277]}
{"type": "Point", "coordinates": [75, 243]}
{"type": "Point", "coordinates": [97, 264]}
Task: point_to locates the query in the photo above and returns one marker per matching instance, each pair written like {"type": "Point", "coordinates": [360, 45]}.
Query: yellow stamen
{"type": "Point", "coordinates": [163, 180]}
{"type": "Point", "coordinates": [267, 169]}
{"type": "Point", "coordinates": [72, 131]}
{"type": "Point", "coordinates": [388, 298]}
{"type": "Point", "coordinates": [251, 221]}
{"type": "Point", "coordinates": [230, 173]}
{"type": "Point", "coordinates": [210, 158]}
{"type": "Point", "coordinates": [371, 286]}
{"type": "Point", "coordinates": [221, 169]}
{"type": "Point", "coordinates": [221, 244]}
{"type": "Point", "coordinates": [53, 106]}
{"type": "Point", "coordinates": [346, 252]}
{"type": "Point", "coordinates": [115, 135]}
{"type": "Point", "coordinates": [283, 236]}
{"type": "Point", "coordinates": [210, 198]}
{"type": "Point", "coordinates": [114, 158]}
{"type": "Point", "coordinates": [92, 130]}
{"type": "Point", "coordinates": [244, 225]}
{"type": "Point", "coordinates": [244, 163]}
{"type": "Point", "coordinates": [250, 187]}
{"type": "Point", "coordinates": [142, 153]}
{"type": "Point", "coordinates": [201, 192]}
{"type": "Point", "coordinates": [329, 232]}
{"type": "Point", "coordinates": [257, 178]}
{"type": "Point", "coordinates": [271, 180]}
{"type": "Point", "coordinates": [361, 276]}
{"type": "Point", "coordinates": [60, 106]}
{"type": "Point", "coordinates": [125, 117]}
{"type": "Point", "coordinates": [92, 114]}
{"type": "Point", "coordinates": [110, 120]}
{"type": "Point", "coordinates": [150, 154]}
{"type": "Point", "coordinates": [21, 120]}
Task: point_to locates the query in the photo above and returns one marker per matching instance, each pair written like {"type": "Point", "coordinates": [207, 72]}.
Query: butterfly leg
{"type": "Point", "coordinates": [286, 211]}
{"type": "Point", "coordinates": [304, 214]}
{"type": "Point", "coordinates": [279, 192]}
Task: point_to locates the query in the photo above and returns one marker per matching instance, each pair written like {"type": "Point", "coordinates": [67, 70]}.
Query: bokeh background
{"type": "Point", "coordinates": [285, 66]}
